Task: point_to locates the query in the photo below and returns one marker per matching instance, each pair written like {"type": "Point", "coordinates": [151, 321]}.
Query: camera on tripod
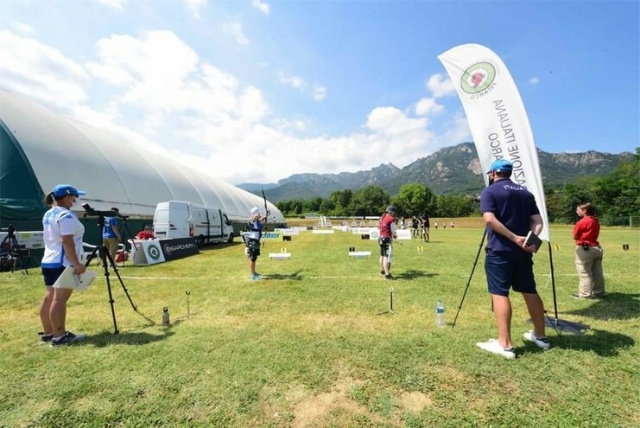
{"type": "Point", "coordinates": [95, 213]}
{"type": "Point", "coordinates": [10, 230]}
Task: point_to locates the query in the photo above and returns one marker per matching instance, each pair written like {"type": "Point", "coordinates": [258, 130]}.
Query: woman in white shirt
{"type": "Point", "coordinates": [62, 233]}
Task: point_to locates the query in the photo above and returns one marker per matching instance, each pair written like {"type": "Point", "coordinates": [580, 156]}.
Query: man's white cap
{"type": "Point", "coordinates": [255, 211]}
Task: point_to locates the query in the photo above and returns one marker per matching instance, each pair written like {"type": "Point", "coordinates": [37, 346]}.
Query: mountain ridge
{"type": "Point", "coordinates": [450, 170]}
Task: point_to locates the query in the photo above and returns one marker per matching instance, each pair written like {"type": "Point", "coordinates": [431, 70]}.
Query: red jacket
{"type": "Point", "coordinates": [586, 231]}
{"type": "Point", "coordinates": [386, 228]}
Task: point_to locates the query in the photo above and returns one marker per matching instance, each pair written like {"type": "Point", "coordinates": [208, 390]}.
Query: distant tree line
{"type": "Point", "coordinates": [616, 196]}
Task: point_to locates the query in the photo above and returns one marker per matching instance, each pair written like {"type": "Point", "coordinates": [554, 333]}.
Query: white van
{"type": "Point", "coordinates": [179, 219]}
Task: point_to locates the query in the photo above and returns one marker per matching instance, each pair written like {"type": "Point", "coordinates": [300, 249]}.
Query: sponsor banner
{"type": "Point", "coordinates": [403, 234]}
{"type": "Point", "coordinates": [28, 240]}
{"type": "Point", "coordinates": [364, 230]}
{"type": "Point", "coordinates": [289, 232]}
{"type": "Point", "coordinates": [146, 252]}
{"type": "Point", "coordinates": [173, 249]}
{"type": "Point", "coordinates": [496, 116]}
{"type": "Point", "coordinates": [322, 231]}
{"type": "Point", "coordinates": [272, 235]}
{"type": "Point", "coordinates": [275, 235]}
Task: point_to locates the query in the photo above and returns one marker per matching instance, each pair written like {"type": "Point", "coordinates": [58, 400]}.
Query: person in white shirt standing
{"type": "Point", "coordinates": [62, 233]}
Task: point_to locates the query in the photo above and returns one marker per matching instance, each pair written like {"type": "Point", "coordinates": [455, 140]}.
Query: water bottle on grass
{"type": "Point", "coordinates": [440, 314]}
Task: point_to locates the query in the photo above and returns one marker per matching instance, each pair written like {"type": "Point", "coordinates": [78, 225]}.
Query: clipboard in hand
{"type": "Point", "coordinates": [69, 279]}
{"type": "Point", "coordinates": [532, 239]}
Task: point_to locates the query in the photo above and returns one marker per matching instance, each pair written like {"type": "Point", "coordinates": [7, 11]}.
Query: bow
{"type": "Point", "coordinates": [266, 214]}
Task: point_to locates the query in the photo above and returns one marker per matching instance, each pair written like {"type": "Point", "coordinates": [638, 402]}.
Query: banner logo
{"type": "Point", "coordinates": [154, 252]}
{"type": "Point", "coordinates": [478, 77]}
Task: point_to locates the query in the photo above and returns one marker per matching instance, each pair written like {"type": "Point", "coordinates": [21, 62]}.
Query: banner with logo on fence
{"type": "Point", "coordinates": [497, 117]}
{"type": "Point", "coordinates": [146, 252]}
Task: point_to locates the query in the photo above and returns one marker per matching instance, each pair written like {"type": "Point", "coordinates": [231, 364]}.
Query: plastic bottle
{"type": "Point", "coordinates": [440, 322]}
{"type": "Point", "coordinates": [165, 317]}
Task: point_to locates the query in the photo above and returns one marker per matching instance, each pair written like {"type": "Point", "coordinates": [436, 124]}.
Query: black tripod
{"type": "Point", "coordinates": [105, 258]}
{"type": "Point", "coordinates": [10, 244]}
{"type": "Point", "coordinates": [557, 324]}
{"type": "Point", "coordinates": [126, 234]}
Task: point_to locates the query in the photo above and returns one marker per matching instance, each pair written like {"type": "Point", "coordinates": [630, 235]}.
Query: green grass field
{"type": "Point", "coordinates": [308, 346]}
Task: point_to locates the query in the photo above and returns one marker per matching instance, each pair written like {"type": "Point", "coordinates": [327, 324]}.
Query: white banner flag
{"type": "Point", "coordinates": [496, 116]}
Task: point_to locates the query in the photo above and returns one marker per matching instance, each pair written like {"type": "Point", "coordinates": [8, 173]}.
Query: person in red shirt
{"type": "Point", "coordinates": [588, 253]}
{"type": "Point", "coordinates": [387, 235]}
{"type": "Point", "coordinates": [145, 234]}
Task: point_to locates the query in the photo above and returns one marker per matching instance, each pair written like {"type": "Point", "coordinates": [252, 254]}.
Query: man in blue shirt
{"type": "Point", "coordinates": [111, 235]}
{"type": "Point", "coordinates": [510, 212]}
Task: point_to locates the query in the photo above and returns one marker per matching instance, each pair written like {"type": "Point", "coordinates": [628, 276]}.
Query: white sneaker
{"type": "Point", "coordinates": [541, 342]}
{"type": "Point", "coordinates": [494, 347]}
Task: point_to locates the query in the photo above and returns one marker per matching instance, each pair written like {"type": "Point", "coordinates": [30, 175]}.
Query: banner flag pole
{"type": "Point", "coordinates": [498, 120]}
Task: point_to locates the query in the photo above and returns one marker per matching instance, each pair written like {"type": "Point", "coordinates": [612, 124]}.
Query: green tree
{"type": "Point", "coordinates": [454, 206]}
{"type": "Point", "coordinates": [413, 199]}
{"type": "Point", "coordinates": [327, 207]}
{"type": "Point", "coordinates": [572, 195]}
{"type": "Point", "coordinates": [340, 200]}
{"type": "Point", "coordinates": [313, 205]}
{"type": "Point", "coordinates": [369, 201]}
{"type": "Point", "coordinates": [618, 194]}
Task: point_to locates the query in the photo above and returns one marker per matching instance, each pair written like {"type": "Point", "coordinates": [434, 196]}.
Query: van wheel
{"type": "Point", "coordinates": [230, 240]}
{"type": "Point", "coordinates": [200, 241]}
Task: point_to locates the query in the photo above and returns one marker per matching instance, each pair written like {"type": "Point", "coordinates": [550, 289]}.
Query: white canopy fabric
{"type": "Point", "coordinates": [114, 173]}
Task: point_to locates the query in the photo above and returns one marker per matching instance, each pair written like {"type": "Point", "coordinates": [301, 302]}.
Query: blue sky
{"type": "Point", "coordinates": [254, 91]}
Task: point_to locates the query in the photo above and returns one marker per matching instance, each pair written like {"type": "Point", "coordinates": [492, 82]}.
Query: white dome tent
{"type": "Point", "coordinates": [53, 149]}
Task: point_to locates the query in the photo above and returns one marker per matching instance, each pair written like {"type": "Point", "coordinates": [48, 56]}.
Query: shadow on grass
{"type": "Point", "coordinates": [139, 338]}
{"type": "Point", "coordinates": [283, 276]}
{"type": "Point", "coordinates": [209, 247]}
{"type": "Point", "coordinates": [603, 343]}
{"type": "Point", "coordinates": [619, 306]}
{"type": "Point", "coordinates": [414, 274]}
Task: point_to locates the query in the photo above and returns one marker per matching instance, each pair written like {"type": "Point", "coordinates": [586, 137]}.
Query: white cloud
{"type": "Point", "coordinates": [152, 69]}
{"type": "Point", "coordinates": [165, 97]}
{"type": "Point", "coordinates": [534, 81]}
{"type": "Point", "coordinates": [115, 4]}
{"type": "Point", "coordinates": [295, 82]}
{"type": "Point", "coordinates": [428, 106]}
{"type": "Point", "coordinates": [235, 30]}
{"type": "Point", "coordinates": [440, 85]}
{"type": "Point", "coordinates": [261, 6]}
{"type": "Point", "coordinates": [195, 6]}
{"type": "Point", "coordinates": [456, 130]}
{"type": "Point", "coordinates": [40, 72]}
{"type": "Point", "coordinates": [23, 28]}
{"type": "Point", "coordinates": [319, 92]}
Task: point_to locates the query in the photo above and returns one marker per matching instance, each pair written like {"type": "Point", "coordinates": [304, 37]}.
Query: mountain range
{"type": "Point", "coordinates": [451, 170]}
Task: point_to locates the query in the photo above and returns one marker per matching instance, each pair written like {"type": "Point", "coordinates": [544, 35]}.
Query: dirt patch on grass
{"type": "Point", "coordinates": [309, 411]}
{"type": "Point", "coordinates": [414, 402]}
{"type": "Point", "coordinates": [312, 410]}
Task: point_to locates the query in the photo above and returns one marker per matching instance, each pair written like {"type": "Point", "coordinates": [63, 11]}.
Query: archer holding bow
{"type": "Point", "coordinates": [252, 240]}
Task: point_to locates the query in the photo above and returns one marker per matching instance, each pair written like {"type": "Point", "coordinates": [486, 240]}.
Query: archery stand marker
{"type": "Point", "coordinates": [282, 255]}
{"type": "Point", "coordinates": [390, 311]}
{"type": "Point", "coordinates": [359, 254]}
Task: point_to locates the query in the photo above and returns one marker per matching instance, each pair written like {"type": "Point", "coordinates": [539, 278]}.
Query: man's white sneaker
{"type": "Point", "coordinates": [541, 342]}
{"type": "Point", "coordinates": [494, 347]}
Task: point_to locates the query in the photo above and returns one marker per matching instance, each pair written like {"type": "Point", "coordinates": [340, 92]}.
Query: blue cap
{"type": "Point", "coordinates": [500, 165]}
{"type": "Point", "coordinates": [62, 190]}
